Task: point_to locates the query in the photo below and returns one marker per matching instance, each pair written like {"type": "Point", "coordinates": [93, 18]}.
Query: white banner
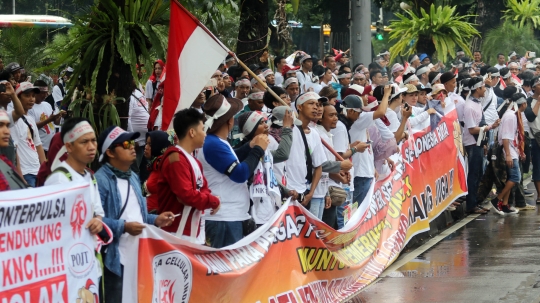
{"type": "Point", "coordinates": [46, 252]}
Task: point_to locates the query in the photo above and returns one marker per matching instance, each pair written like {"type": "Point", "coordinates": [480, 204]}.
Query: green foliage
{"type": "Point", "coordinates": [295, 4]}
{"type": "Point", "coordinates": [23, 45]}
{"type": "Point", "coordinates": [226, 32]}
{"type": "Point", "coordinates": [213, 12]}
{"type": "Point", "coordinates": [524, 12]}
{"type": "Point", "coordinates": [441, 26]}
{"type": "Point", "coordinates": [508, 37]}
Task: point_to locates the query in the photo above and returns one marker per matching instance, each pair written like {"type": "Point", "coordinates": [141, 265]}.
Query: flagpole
{"type": "Point", "coordinates": [252, 74]}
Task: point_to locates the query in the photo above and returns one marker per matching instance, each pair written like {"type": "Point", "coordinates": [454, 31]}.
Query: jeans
{"type": "Point", "coordinates": [475, 156]}
{"type": "Point", "coordinates": [329, 216]}
{"type": "Point", "coordinates": [513, 172]}
{"type": "Point", "coordinates": [223, 233]}
{"type": "Point", "coordinates": [113, 286]}
{"type": "Point", "coordinates": [341, 209]}
{"type": "Point", "coordinates": [535, 153]}
{"type": "Point", "coordinates": [317, 207]}
{"type": "Point", "coordinates": [30, 179]}
{"type": "Point", "coordinates": [361, 188]}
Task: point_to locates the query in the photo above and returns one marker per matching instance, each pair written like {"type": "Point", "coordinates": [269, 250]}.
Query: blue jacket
{"type": "Point", "coordinates": [110, 199]}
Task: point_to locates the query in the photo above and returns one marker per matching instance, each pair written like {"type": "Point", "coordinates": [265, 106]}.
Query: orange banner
{"type": "Point", "coordinates": [297, 258]}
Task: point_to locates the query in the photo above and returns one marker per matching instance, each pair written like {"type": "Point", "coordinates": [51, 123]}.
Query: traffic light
{"type": "Point", "coordinates": [379, 30]}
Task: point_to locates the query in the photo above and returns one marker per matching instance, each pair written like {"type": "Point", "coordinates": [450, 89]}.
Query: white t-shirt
{"type": "Point", "coordinates": [61, 178]}
{"type": "Point", "coordinates": [498, 66]}
{"type": "Point", "coordinates": [138, 116]}
{"type": "Point", "coordinates": [490, 114]}
{"type": "Point", "coordinates": [364, 165]}
{"type": "Point", "coordinates": [149, 92]}
{"type": "Point", "coordinates": [296, 164]}
{"type": "Point", "coordinates": [279, 78]}
{"type": "Point", "coordinates": [459, 106]}
{"type": "Point", "coordinates": [303, 79]}
{"type": "Point", "coordinates": [132, 213]}
{"type": "Point", "coordinates": [279, 168]}
{"type": "Point", "coordinates": [57, 94]}
{"type": "Point", "coordinates": [322, 188]}
{"type": "Point", "coordinates": [341, 143]}
{"type": "Point", "coordinates": [509, 130]}
{"type": "Point", "coordinates": [41, 112]}
{"type": "Point", "coordinates": [472, 117]}
{"type": "Point", "coordinates": [392, 116]}
{"type": "Point", "coordinates": [26, 145]}
{"type": "Point", "coordinates": [535, 125]}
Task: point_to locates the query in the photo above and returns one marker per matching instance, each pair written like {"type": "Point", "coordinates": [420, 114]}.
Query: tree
{"type": "Point", "coordinates": [489, 15]}
{"type": "Point", "coordinates": [253, 35]}
{"type": "Point", "coordinates": [524, 12]}
{"type": "Point", "coordinates": [509, 37]}
{"type": "Point", "coordinates": [440, 31]}
{"type": "Point", "coordinates": [23, 45]}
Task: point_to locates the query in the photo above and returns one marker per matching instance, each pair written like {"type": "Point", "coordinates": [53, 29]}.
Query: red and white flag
{"type": "Point", "coordinates": [194, 54]}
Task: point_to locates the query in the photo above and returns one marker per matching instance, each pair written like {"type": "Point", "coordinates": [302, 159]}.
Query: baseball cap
{"type": "Point", "coordinates": [219, 110]}
{"type": "Point", "coordinates": [358, 90]}
{"type": "Point", "coordinates": [24, 87]}
{"type": "Point", "coordinates": [424, 89]}
{"type": "Point", "coordinates": [352, 102]}
{"type": "Point", "coordinates": [113, 135]}
{"type": "Point", "coordinates": [304, 58]}
{"type": "Point", "coordinates": [279, 113]}
{"type": "Point", "coordinates": [13, 66]}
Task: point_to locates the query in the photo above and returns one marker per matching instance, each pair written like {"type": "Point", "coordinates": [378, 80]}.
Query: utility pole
{"type": "Point", "coordinates": [361, 31]}
{"type": "Point", "coordinates": [13, 7]}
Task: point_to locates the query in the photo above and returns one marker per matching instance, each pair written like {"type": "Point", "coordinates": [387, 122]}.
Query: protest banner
{"type": "Point", "coordinates": [297, 258]}
{"type": "Point", "coordinates": [46, 252]}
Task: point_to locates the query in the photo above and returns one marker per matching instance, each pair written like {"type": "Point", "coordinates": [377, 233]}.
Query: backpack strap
{"type": "Point", "coordinates": [64, 171]}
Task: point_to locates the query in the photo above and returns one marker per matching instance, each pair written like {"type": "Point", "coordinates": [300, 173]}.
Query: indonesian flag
{"type": "Point", "coordinates": [194, 54]}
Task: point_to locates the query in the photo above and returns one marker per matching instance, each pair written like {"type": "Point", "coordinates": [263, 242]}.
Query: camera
{"type": "Point", "coordinates": [3, 86]}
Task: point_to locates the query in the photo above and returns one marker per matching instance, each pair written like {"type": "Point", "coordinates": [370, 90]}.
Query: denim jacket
{"type": "Point", "coordinates": [110, 199]}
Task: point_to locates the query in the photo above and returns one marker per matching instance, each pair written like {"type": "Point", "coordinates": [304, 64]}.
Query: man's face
{"type": "Point", "coordinates": [139, 73]}
{"type": "Point", "coordinates": [242, 91]}
{"type": "Point", "coordinates": [377, 79]}
{"type": "Point", "coordinates": [83, 149]}
{"type": "Point", "coordinates": [199, 135]}
{"type": "Point", "coordinates": [422, 97]}
{"type": "Point", "coordinates": [493, 82]}
{"type": "Point", "coordinates": [426, 60]}
{"type": "Point", "coordinates": [331, 64]}
{"type": "Point", "coordinates": [477, 56]}
{"type": "Point", "coordinates": [28, 99]}
{"type": "Point", "coordinates": [514, 69]}
{"type": "Point", "coordinates": [345, 81]}
{"type": "Point", "coordinates": [199, 101]}
{"type": "Point", "coordinates": [292, 90]}
{"type": "Point", "coordinates": [416, 63]}
{"type": "Point", "coordinates": [309, 109]}
{"type": "Point", "coordinates": [307, 65]}
{"type": "Point", "coordinates": [281, 63]}
{"type": "Point", "coordinates": [329, 119]}
{"type": "Point", "coordinates": [481, 91]}
{"type": "Point", "coordinates": [359, 80]}
{"type": "Point", "coordinates": [256, 105]}
{"type": "Point", "coordinates": [17, 75]}
{"type": "Point", "coordinates": [41, 96]}
{"type": "Point", "coordinates": [424, 76]}
{"type": "Point", "coordinates": [501, 59]}
{"type": "Point", "coordinates": [259, 86]}
{"type": "Point", "coordinates": [271, 79]}
{"type": "Point", "coordinates": [4, 134]}
{"type": "Point", "coordinates": [347, 69]}
{"type": "Point", "coordinates": [450, 86]}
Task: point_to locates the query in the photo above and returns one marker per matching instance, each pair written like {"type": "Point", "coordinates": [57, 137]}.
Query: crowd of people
{"type": "Point", "coordinates": [319, 132]}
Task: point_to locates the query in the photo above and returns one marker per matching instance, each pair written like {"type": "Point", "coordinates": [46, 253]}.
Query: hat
{"type": "Point", "coordinates": [218, 110]}
{"type": "Point", "coordinates": [378, 92]}
{"type": "Point", "coordinates": [358, 90]}
{"type": "Point", "coordinates": [447, 77]}
{"type": "Point", "coordinates": [423, 89]}
{"type": "Point", "coordinates": [410, 89]}
{"type": "Point", "coordinates": [278, 113]}
{"type": "Point", "coordinates": [254, 67]}
{"type": "Point", "coordinates": [289, 69]}
{"type": "Point", "coordinates": [26, 86]}
{"type": "Point", "coordinates": [113, 135]}
{"type": "Point", "coordinates": [309, 96]}
{"type": "Point", "coordinates": [13, 66]}
{"type": "Point", "coordinates": [352, 102]}
{"type": "Point", "coordinates": [437, 88]}
{"type": "Point", "coordinates": [422, 57]}
{"type": "Point", "coordinates": [304, 58]}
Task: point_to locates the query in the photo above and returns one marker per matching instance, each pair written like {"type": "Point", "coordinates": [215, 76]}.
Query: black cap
{"type": "Point", "coordinates": [254, 67]}
{"type": "Point", "coordinates": [424, 89]}
{"type": "Point", "coordinates": [13, 67]}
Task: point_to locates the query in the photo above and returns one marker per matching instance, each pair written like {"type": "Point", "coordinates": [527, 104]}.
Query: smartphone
{"type": "Point", "coordinates": [532, 54]}
{"type": "Point", "coordinates": [211, 84]}
{"type": "Point", "coordinates": [3, 86]}
{"type": "Point", "coordinates": [406, 106]}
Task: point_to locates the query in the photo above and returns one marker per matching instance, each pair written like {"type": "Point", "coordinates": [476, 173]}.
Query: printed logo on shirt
{"type": "Point", "coordinates": [142, 102]}
{"type": "Point", "coordinates": [30, 140]}
{"type": "Point", "coordinates": [173, 278]}
{"type": "Point", "coordinates": [47, 127]}
{"type": "Point", "coordinates": [199, 182]}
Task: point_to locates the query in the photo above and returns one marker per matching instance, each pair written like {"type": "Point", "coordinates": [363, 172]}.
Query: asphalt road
{"type": "Point", "coordinates": [490, 259]}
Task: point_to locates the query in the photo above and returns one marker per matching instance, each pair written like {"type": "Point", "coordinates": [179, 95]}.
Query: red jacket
{"type": "Point", "coordinates": [178, 187]}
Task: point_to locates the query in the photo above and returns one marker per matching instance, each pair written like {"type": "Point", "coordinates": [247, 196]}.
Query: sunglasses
{"type": "Point", "coordinates": [125, 144]}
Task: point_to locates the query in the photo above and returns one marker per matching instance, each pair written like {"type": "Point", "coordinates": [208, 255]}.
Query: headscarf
{"type": "Point", "coordinates": [153, 78]}
{"type": "Point", "coordinates": [160, 141]}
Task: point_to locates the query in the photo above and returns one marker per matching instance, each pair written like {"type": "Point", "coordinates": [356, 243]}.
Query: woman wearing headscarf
{"type": "Point", "coordinates": [153, 83]}
{"type": "Point", "coordinates": [156, 144]}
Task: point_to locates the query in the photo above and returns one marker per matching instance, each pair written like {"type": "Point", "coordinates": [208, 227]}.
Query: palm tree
{"type": "Point", "coordinates": [524, 12]}
{"type": "Point", "coordinates": [23, 45]}
{"type": "Point", "coordinates": [440, 31]}
{"type": "Point", "coordinates": [509, 37]}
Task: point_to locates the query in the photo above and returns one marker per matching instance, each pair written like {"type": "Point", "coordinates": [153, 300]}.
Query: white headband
{"type": "Point", "coordinates": [343, 76]}
{"type": "Point", "coordinates": [223, 109]}
{"type": "Point", "coordinates": [250, 125]}
{"type": "Point", "coordinates": [436, 78]}
{"type": "Point", "coordinates": [4, 116]}
{"type": "Point", "coordinates": [476, 86]}
{"type": "Point", "coordinates": [414, 58]}
{"type": "Point", "coordinates": [512, 54]}
{"type": "Point", "coordinates": [385, 53]}
{"type": "Point", "coordinates": [267, 73]}
{"type": "Point", "coordinates": [411, 78]}
{"type": "Point", "coordinates": [460, 53]}
{"type": "Point", "coordinates": [254, 80]}
{"type": "Point", "coordinates": [307, 96]}
{"type": "Point", "coordinates": [507, 75]}
{"type": "Point", "coordinates": [82, 128]}
{"type": "Point", "coordinates": [422, 70]}
{"type": "Point", "coordinates": [256, 96]}
{"type": "Point", "coordinates": [243, 82]}
{"type": "Point", "coordinates": [521, 101]}
{"type": "Point", "coordinates": [290, 81]}
{"type": "Point", "coordinates": [497, 74]}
